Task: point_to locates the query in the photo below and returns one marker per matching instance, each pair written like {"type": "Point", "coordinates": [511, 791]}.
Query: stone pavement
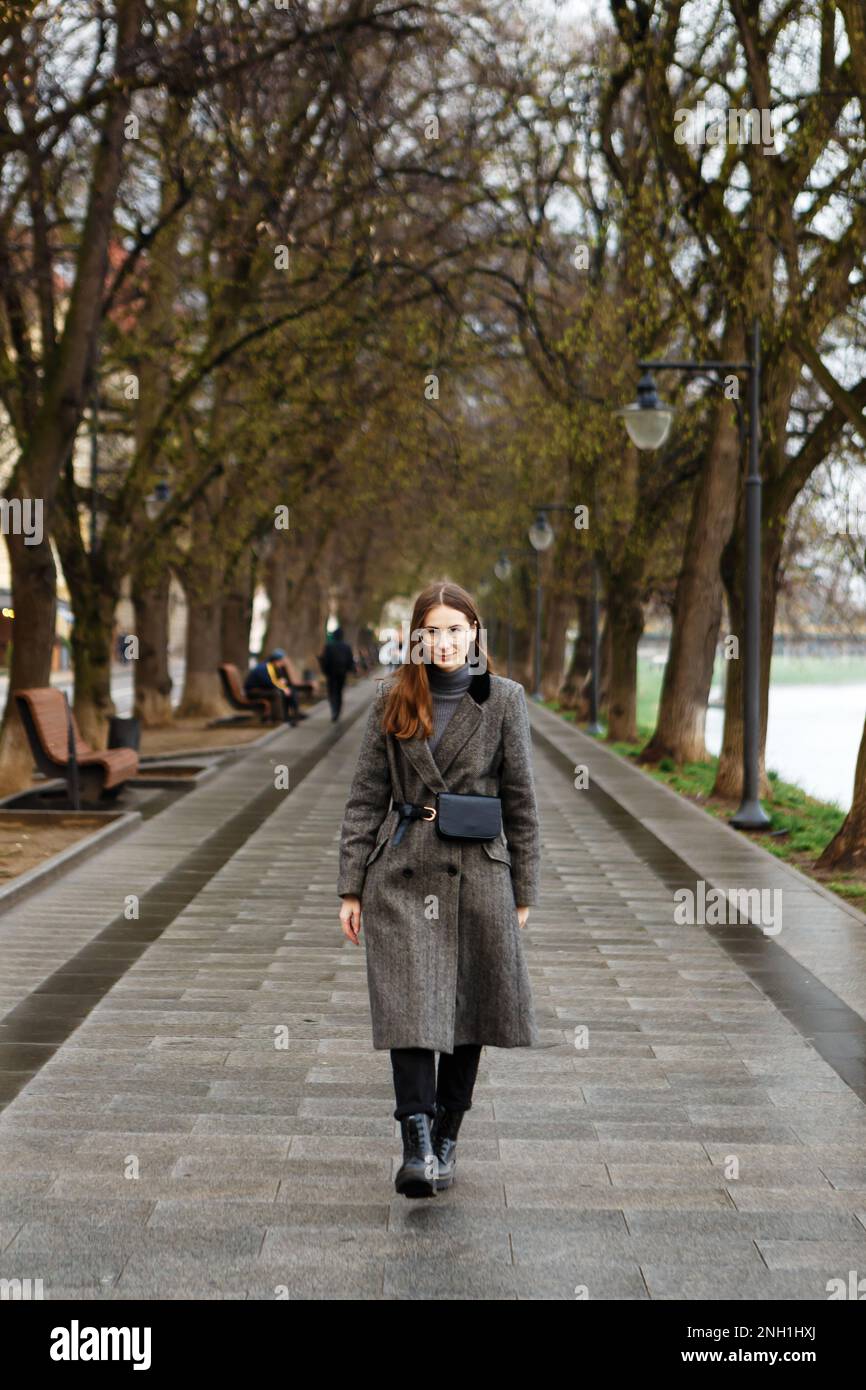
{"type": "Point", "coordinates": [159, 1142]}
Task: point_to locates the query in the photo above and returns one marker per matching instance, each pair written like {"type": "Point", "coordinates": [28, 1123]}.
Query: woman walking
{"type": "Point", "coordinates": [447, 741]}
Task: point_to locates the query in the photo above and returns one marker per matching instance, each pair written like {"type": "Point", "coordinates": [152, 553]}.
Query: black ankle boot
{"type": "Point", "coordinates": [446, 1124]}
{"type": "Point", "coordinates": [417, 1176]}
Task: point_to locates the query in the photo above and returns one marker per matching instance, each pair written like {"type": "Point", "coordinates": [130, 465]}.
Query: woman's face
{"type": "Point", "coordinates": [447, 635]}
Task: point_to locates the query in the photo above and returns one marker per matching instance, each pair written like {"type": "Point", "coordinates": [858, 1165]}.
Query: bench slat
{"type": "Point", "coordinates": [47, 708]}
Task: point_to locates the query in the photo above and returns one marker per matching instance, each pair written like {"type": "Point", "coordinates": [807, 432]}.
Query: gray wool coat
{"type": "Point", "coordinates": [445, 962]}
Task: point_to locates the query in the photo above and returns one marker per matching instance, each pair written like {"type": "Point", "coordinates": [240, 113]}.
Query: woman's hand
{"type": "Point", "coordinates": [350, 918]}
{"type": "Point", "coordinates": [522, 914]}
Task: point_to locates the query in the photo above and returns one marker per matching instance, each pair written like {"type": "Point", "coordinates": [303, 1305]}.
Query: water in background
{"type": "Point", "coordinates": [816, 715]}
{"type": "Point", "coordinates": [813, 735]}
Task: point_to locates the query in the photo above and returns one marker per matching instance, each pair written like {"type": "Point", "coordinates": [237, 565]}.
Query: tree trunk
{"type": "Point", "coordinates": [298, 586]}
{"type": "Point", "coordinates": [153, 683]}
{"type": "Point", "coordinates": [625, 616]}
{"type": "Point", "coordinates": [574, 693]}
{"type": "Point", "coordinates": [277, 565]}
{"type": "Point", "coordinates": [847, 849]}
{"type": "Point", "coordinates": [516, 600]}
{"type": "Point", "coordinates": [352, 581]}
{"type": "Point", "coordinates": [688, 676]}
{"type": "Point", "coordinates": [558, 613]}
{"type": "Point", "coordinates": [202, 580]}
{"type": "Point", "coordinates": [94, 586]}
{"type": "Point", "coordinates": [524, 596]}
{"type": "Point", "coordinates": [35, 599]}
{"type": "Point", "coordinates": [523, 665]}
{"type": "Point", "coordinates": [605, 664]}
{"type": "Point", "coordinates": [729, 776]}
{"type": "Point", "coordinates": [202, 693]}
{"type": "Point", "coordinates": [51, 434]}
{"type": "Point", "coordinates": [307, 629]}
{"type": "Point", "coordinates": [237, 614]}
{"type": "Point", "coordinates": [92, 635]}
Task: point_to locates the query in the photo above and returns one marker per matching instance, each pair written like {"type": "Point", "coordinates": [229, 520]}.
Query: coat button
{"type": "Point", "coordinates": [407, 873]}
{"type": "Point", "coordinates": [452, 868]}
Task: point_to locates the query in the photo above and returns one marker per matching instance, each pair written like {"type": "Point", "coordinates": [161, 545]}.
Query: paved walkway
{"type": "Point", "coordinates": [158, 1142]}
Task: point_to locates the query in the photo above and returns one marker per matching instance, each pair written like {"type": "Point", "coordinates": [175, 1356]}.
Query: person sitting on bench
{"type": "Point", "coordinates": [271, 678]}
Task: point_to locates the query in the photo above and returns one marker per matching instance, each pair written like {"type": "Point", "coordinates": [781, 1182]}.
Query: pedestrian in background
{"type": "Point", "coordinates": [336, 660]}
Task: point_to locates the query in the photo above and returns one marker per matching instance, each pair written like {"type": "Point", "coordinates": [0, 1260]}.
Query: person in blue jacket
{"type": "Point", "coordinates": [270, 678]}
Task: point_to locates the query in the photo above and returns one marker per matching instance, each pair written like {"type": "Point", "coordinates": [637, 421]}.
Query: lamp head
{"type": "Point", "coordinates": [648, 420]}
{"type": "Point", "coordinates": [541, 532]}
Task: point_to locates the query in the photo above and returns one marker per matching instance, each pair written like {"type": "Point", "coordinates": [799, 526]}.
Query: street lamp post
{"type": "Point", "coordinates": [648, 422]}
{"type": "Point", "coordinates": [593, 727]}
{"type": "Point", "coordinates": [94, 467]}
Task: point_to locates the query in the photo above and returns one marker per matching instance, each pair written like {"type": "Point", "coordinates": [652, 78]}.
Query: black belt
{"type": "Point", "coordinates": [411, 810]}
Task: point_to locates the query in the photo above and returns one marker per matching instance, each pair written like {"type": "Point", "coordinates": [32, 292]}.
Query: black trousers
{"type": "Point", "coordinates": [335, 693]}
{"type": "Point", "coordinates": [417, 1087]}
{"type": "Point", "coordinates": [283, 706]}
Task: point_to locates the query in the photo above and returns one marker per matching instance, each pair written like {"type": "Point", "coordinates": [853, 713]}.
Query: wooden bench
{"type": "Point", "coordinates": [43, 713]}
{"type": "Point", "coordinates": [236, 696]}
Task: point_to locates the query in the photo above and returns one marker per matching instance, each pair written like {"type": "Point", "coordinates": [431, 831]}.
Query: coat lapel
{"type": "Point", "coordinates": [431, 767]}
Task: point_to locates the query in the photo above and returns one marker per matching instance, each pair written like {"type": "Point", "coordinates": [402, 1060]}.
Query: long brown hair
{"type": "Point", "coordinates": [409, 707]}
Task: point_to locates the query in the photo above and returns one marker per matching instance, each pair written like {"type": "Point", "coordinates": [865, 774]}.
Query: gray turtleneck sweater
{"type": "Point", "coordinates": [447, 689]}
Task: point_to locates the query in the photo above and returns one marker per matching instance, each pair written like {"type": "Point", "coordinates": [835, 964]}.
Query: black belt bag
{"type": "Point", "coordinates": [457, 816]}
{"type": "Point", "coordinates": [467, 817]}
